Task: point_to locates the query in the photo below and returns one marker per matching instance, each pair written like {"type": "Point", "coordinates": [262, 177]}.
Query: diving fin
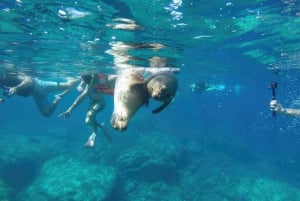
{"type": "Point", "coordinates": [105, 132]}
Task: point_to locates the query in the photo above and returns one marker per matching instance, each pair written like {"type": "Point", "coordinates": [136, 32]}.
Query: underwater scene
{"type": "Point", "coordinates": [149, 100]}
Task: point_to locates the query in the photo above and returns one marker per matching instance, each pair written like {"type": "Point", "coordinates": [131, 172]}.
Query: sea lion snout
{"type": "Point", "coordinates": [158, 92]}
{"type": "Point", "coordinates": [119, 122]}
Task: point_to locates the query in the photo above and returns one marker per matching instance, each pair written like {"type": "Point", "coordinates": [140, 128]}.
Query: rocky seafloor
{"type": "Point", "coordinates": [138, 167]}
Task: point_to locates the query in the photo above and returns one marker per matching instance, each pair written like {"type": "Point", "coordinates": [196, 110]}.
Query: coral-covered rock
{"type": "Point", "coordinates": [19, 147]}
{"type": "Point", "coordinates": [154, 157]}
{"type": "Point", "coordinates": [22, 155]}
{"type": "Point", "coordinates": [137, 191]}
{"type": "Point", "coordinates": [64, 178]}
{"type": "Point", "coordinates": [215, 176]}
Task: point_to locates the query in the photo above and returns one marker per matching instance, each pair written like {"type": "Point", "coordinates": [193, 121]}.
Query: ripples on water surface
{"type": "Point", "coordinates": [71, 36]}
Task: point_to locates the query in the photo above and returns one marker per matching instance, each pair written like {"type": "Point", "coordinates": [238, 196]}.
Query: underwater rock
{"type": "Point", "coordinates": [22, 147]}
{"type": "Point", "coordinates": [255, 187]}
{"type": "Point", "coordinates": [215, 176]}
{"type": "Point", "coordinates": [137, 191]}
{"type": "Point", "coordinates": [22, 155]}
{"type": "Point", "coordinates": [154, 157]}
{"type": "Point", "coordinates": [64, 178]}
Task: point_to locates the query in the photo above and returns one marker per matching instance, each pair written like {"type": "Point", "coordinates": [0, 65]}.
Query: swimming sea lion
{"type": "Point", "coordinates": [129, 95]}
{"type": "Point", "coordinates": [162, 87]}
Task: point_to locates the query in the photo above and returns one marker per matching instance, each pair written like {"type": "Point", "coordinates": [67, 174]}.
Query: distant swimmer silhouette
{"type": "Point", "coordinates": [24, 85]}
{"type": "Point", "coordinates": [203, 87]}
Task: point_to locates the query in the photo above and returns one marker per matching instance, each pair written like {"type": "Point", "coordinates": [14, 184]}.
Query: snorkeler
{"type": "Point", "coordinates": [96, 84]}
{"type": "Point", "coordinates": [25, 86]}
{"type": "Point", "coordinates": [202, 87]}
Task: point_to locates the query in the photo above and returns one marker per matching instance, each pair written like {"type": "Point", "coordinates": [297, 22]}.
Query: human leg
{"type": "Point", "coordinates": [90, 119]}
{"type": "Point", "coordinates": [46, 87]}
{"type": "Point", "coordinates": [68, 84]}
{"type": "Point", "coordinates": [44, 106]}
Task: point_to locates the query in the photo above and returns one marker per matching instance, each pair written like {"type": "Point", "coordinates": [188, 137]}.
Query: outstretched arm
{"type": "Point", "coordinates": [77, 101]}
{"type": "Point", "coordinates": [277, 107]}
{"type": "Point", "coordinates": [293, 112]}
{"type": "Point", "coordinates": [26, 81]}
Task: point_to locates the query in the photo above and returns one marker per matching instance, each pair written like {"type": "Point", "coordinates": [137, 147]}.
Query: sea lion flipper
{"type": "Point", "coordinates": [160, 108]}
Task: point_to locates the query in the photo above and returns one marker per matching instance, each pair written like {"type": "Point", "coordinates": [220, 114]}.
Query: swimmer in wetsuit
{"type": "Point", "coordinates": [24, 85]}
{"type": "Point", "coordinates": [203, 87]}
{"type": "Point", "coordinates": [96, 84]}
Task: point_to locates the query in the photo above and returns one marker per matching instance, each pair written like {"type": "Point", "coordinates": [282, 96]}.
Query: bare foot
{"type": "Point", "coordinates": [91, 141]}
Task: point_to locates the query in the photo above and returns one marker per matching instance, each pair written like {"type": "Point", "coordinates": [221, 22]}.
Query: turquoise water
{"type": "Point", "coordinates": [218, 145]}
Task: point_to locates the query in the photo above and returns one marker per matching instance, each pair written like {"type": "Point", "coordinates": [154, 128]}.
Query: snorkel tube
{"type": "Point", "coordinates": [273, 86]}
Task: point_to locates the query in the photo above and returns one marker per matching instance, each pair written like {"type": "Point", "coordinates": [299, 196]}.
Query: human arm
{"type": "Point", "coordinates": [277, 107]}
{"type": "Point", "coordinates": [80, 87]}
{"type": "Point", "coordinates": [292, 112]}
{"type": "Point", "coordinates": [26, 81]}
{"type": "Point", "coordinates": [77, 101]}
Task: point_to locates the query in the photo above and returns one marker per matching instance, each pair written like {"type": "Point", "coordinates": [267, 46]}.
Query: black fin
{"type": "Point", "coordinates": [160, 108]}
{"type": "Point", "coordinates": [105, 132]}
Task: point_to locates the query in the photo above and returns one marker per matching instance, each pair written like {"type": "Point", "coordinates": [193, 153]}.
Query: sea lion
{"type": "Point", "coordinates": [129, 95]}
{"type": "Point", "coordinates": [162, 87]}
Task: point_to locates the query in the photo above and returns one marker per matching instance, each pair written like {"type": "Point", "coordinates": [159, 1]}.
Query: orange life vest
{"type": "Point", "coordinates": [102, 85]}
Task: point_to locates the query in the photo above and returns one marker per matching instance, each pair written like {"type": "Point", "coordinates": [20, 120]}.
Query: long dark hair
{"type": "Point", "coordinates": [87, 77]}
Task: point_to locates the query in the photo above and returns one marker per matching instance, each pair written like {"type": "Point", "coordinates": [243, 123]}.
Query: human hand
{"type": "Point", "coordinates": [80, 89]}
{"type": "Point", "coordinates": [12, 91]}
{"type": "Point", "coordinates": [65, 114]}
{"type": "Point", "coordinates": [276, 106]}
